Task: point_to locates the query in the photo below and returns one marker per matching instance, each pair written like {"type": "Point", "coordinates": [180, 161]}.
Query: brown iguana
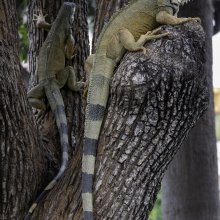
{"type": "Point", "coordinates": [128, 29]}
{"type": "Point", "coordinates": [53, 75]}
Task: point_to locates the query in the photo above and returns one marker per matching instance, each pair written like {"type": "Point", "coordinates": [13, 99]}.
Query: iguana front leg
{"type": "Point", "coordinates": [34, 97]}
{"type": "Point", "coordinates": [164, 17]}
{"type": "Point", "coordinates": [70, 46]}
{"type": "Point", "coordinates": [40, 21]}
{"type": "Point", "coordinates": [129, 43]}
{"type": "Point", "coordinates": [67, 75]}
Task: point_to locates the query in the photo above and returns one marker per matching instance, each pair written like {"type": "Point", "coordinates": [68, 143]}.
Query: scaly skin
{"type": "Point", "coordinates": [53, 75]}
{"type": "Point", "coordinates": [128, 30]}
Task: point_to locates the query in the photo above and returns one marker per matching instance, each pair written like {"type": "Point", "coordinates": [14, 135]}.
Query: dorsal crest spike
{"type": "Point", "coordinates": [184, 1]}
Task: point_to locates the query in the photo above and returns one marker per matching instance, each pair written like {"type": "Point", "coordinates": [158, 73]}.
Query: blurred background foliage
{"type": "Point", "coordinates": [156, 213]}
{"type": "Point", "coordinates": [22, 6]}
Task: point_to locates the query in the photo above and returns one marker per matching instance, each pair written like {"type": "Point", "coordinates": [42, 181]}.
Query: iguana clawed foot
{"type": "Point", "coordinates": [183, 20]}
{"type": "Point", "coordinates": [40, 20]}
{"type": "Point", "coordinates": [195, 19]}
{"type": "Point", "coordinates": [40, 115]}
{"type": "Point", "coordinates": [80, 85]}
{"type": "Point", "coordinates": [151, 35]}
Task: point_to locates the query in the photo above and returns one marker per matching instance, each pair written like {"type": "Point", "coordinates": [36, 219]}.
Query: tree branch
{"type": "Point", "coordinates": [155, 101]}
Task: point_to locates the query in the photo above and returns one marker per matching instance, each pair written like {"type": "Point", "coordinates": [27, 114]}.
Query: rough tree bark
{"type": "Point", "coordinates": [19, 135]}
{"type": "Point", "coordinates": [190, 186]}
{"type": "Point", "coordinates": [65, 196]}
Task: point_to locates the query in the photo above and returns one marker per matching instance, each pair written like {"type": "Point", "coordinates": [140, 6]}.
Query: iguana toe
{"type": "Point", "coordinates": [40, 115]}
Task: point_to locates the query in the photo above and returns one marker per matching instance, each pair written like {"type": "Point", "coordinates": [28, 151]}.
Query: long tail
{"type": "Point", "coordinates": [56, 103]}
{"type": "Point", "coordinates": [96, 103]}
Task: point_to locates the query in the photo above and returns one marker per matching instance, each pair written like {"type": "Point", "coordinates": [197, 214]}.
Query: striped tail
{"type": "Point", "coordinates": [56, 103]}
{"type": "Point", "coordinates": [97, 99]}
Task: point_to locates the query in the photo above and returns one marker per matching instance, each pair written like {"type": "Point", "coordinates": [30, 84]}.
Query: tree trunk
{"type": "Point", "coordinates": [19, 140]}
{"type": "Point", "coordinates": [64, 200]}
{"type": "Point", "coordinates": [190, 186]}
{"type": "Point", "coordinates": [155, 100]}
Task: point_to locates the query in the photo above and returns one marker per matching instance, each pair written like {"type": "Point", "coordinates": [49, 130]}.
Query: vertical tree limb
{"type": "Point", "coordinates": [19, 136]}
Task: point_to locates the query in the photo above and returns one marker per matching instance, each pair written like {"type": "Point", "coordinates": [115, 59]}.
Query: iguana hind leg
{"type": "Point", "coordinates": [34, 97]}
{"type": "Point", "coordinates": [128, 41]}
{"type": "Point", "coordinates": [67, 75]}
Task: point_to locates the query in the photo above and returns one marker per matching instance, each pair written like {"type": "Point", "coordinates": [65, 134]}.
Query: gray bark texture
{"type": "Point", "coordinates": [190, 186]}
{"type": "Point", "coordinates": [19, 136]}
{"type": "Point", "coordinates": [154, 102]}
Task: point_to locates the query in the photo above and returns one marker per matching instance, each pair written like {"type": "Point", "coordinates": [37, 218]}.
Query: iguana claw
{"type": "Point", "coordinates": [80, 85]}
{"type": "Point", "coordinates": [151, 35]}
{"type": "Point", "coordinates": [40, 17]}
{"type": "Point", "coordinates": [197, 19]}
{"type": "Point", "coordinates": [40, 115]}
{"type": "Point", "coordinates": [40, 20]}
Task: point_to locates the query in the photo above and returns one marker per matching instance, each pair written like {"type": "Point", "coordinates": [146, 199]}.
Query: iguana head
{"type": "Point", "coordinates": [66, 13]}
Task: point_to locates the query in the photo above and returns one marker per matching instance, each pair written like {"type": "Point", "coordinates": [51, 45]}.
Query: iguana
{"type": "Point", "coordinates": [53, 75]}
{"type": "Point", "coordinates": [128, 29]}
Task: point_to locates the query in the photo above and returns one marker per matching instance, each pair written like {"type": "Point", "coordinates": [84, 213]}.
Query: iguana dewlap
{"type": "Point", "coordinates": [128, 29]}
{"type": "Point", "coordinates": [53, 75]}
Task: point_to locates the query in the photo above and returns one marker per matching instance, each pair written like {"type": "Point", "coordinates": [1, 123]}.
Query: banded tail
{"type": "Point", "coordinates": [96, 104]}
{"type": "Point", "coordinates": [56, 102]}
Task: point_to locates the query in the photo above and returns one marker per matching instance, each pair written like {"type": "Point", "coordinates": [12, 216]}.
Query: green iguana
{"type": "Point", "coordinates": [128, 29]}
{"type": "Point", "coordinates": [53, 75]}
